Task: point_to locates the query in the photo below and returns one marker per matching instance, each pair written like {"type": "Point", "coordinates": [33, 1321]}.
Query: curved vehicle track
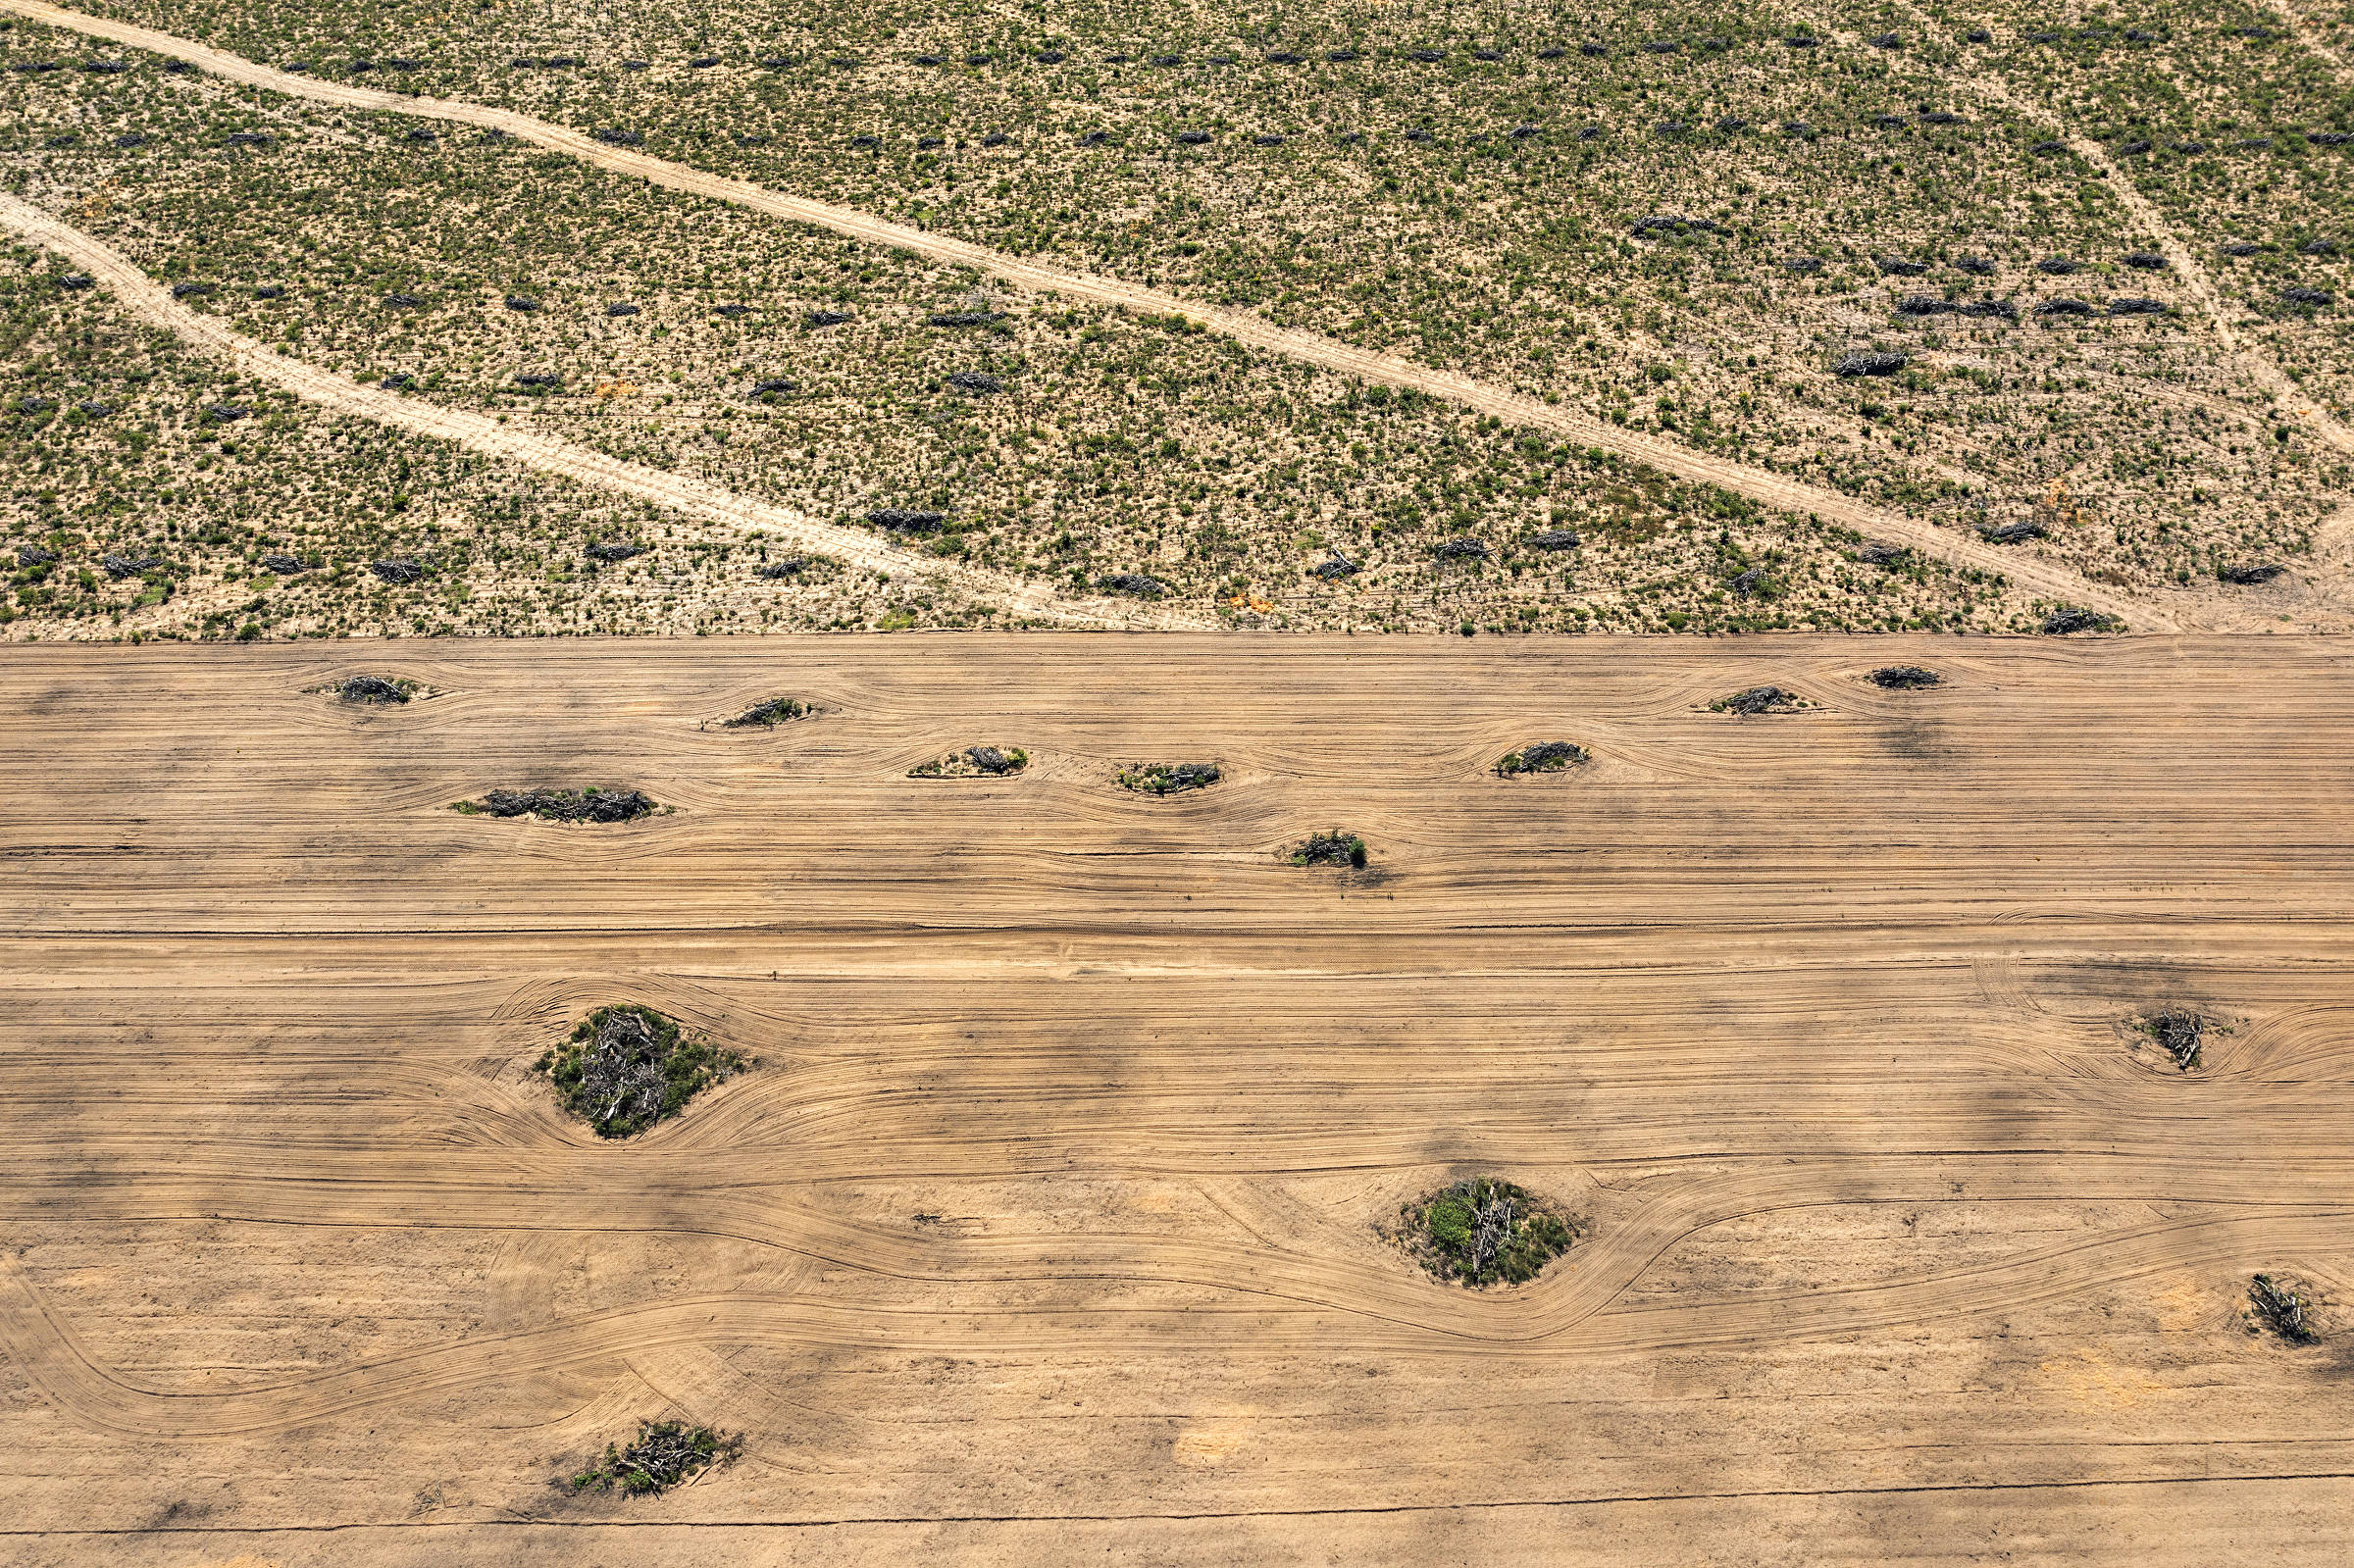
{"type": "Point", "coordinates": [1079, 1117]}
{"type": "Point", "coordinates": [1784, 494]}
{"type": "Point", "coordinates": [45, 1350]}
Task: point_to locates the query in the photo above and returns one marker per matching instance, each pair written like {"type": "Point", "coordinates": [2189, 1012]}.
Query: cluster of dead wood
{"type": "Point", "coordinates": [1334, 849]}
{"type": "Point", "coordinates": [973, 762]}
{"type": "Point", "coordinates": [627, 1067]}
{"type": "Point", "coordinates": [1756, 700]}
{"type": "Point", "coordinates": [664, 1455]}
{"type": "Point", "coordinates": [372, 688]}
{"type": "Point", "coordinates": [769, 714]}
{"type": "Point", "coordinates": [2282, 1308]}
{"type": "Point", "coordinates": [1543, 756]}
{"type": "Point", "coordinates": [1168, 777]}
{"type": "Point", "coordinates": [2179, 1032]}
{"type": "Point", "coordinates": [565, 805]}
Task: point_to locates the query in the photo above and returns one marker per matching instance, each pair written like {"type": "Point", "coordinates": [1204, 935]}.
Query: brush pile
{"type": "Point", "coordinates": [1545, 756]}
{"type": "Point", "coordinates": [627, 1067]}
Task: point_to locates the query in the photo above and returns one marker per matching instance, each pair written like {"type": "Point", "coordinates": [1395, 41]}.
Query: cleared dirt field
{"type": "Point", "coordinates": [1048, 1226]}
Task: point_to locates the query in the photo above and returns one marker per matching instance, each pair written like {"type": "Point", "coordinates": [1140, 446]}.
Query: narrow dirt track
{"type": "Point", "coordinates": [529, 448]}
{"type": "Point", "coordinates": [2294, 402]}
{"type": "Point", "coordinates": [1057, 1190]}
{"type": "Point", "coordinates": [2037, 577]}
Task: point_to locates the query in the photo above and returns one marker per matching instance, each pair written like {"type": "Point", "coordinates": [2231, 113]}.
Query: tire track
{"type": "Point", "coordinates": [480, 433]}
{"type": "Point", "coordinates": [1781, 494]}
{"type": "Point", "coordinates": [65, 1371]}
{"type": "Point", "coordinates": [2185, 266]}
{"type": "Point", "coordinates": [992, 1088]}
{"type": "Point", "coordinates": [365, 1191]}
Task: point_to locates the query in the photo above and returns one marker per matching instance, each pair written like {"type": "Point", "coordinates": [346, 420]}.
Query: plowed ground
{"type": "Point", "coordinates": [1047, 1228]}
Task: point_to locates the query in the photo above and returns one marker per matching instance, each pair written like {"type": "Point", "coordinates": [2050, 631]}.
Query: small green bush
{"type": "Point", "coordinates": [1450, 1222]}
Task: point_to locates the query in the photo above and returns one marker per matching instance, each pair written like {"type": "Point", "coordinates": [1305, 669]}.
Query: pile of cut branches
{"type": "Point", "coordinates": [1482, 1230]}
{"type": "Point", "coordinates": [1756, 700]}
{"type": "Point", "coordinates": [973, 762]}
{"type": "Point", "coordinates": [627, 1067]}
{"type": "Point", "coordinates": [2179, 1032]}
{"type": "Point", "coordinates": [374, 688]}
{"type": "Point", "coordinates": [2282, 1308]}
{"type": "Point", "coordinates": [664, 1455]}
{"type": "Point", "coordinates": [1545, 756]}
{"type": "Point", "coordinates": [563, 805]}
{"type": "Point", "coordinates": [1334, 849]}
{"type": "Point", "coordinates": [1168, 777]}
{"type": "Point", "coordinates": [768, 715]}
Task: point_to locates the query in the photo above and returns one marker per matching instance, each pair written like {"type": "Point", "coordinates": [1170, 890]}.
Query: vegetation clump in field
{"type": "Point", "coordinates": [563, 805]}
{"type": "Point", "coordinates": [1871, 364]}
{"type": "Point", "coordinates": [2017, 532]}
{"type": "Point", "coordinates": [2070, 619]}
{"type": "Point", "coordinates": [1759, 699]}
{"type": "Point", "coordinates": [664, 1455]}
{"type": "Point", "coordinates": [1545, 756]}
{"type": "Point", "coordinates": [2180, 1032]}
{"type": "Point", "coordinates": [627, 1067]}
{"type": "Point", "coordinates": [973, 762]}
{"type": "Point", "coordinates": [1168, 777]}
{"type": "Point", "coordinates": [374, 688]}
{"type": "Point", "coordinates": [2285, 1309]}
{"type": "Point", "coordinates": [1482, 1230]}
{"type": "Point", "coordinates": [769, 714]}
{"type": "Point", "coordinates": [1334, 849]}
{"type": "Point", "coordinates": [1906, 678]}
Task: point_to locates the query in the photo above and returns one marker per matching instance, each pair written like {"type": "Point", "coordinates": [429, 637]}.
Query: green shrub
{"type": "Point", "coordinates": [1450, 1222]}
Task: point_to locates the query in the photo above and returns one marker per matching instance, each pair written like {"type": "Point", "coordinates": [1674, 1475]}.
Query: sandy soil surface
{"type": "Point", "coordinates": [1049, 1226]}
